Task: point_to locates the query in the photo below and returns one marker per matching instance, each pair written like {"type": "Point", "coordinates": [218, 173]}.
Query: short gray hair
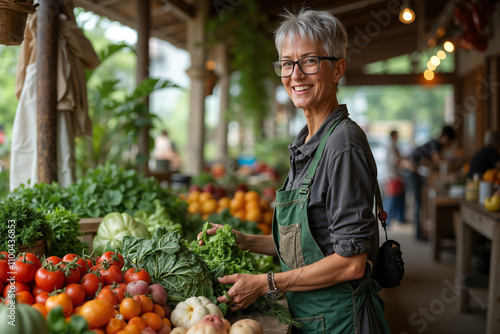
{"type": "Point", "coordinates": [318, 26]}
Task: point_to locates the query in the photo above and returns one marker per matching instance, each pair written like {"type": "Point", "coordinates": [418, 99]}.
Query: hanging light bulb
{"type": "Point", "coordinates": [406, 15]}
{"type": "Point", "coordinates": [448, 46]}
{"type": "Point", "coordinates": [428, 75]}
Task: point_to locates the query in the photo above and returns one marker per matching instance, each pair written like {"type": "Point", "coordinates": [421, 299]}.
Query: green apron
{"type": "Point", "coordinates": [330, 310]}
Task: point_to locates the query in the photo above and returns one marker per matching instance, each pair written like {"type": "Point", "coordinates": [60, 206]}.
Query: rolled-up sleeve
{"type": "Point", "coordinates": [350, 213]}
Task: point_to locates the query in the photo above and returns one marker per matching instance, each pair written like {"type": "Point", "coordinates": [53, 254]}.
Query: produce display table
{"type": "Point", "coordinates": [474, 217]}
{"type": "Point", "coordinates": [88, 226]}
{"type": "Point", "coordinates": [442, 209]}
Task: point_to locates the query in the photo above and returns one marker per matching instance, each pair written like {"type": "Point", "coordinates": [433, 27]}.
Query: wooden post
{"type": "Point", "coordinates": [143, 34]}
{"type": "Point", "coordinates": [46, 119]}
{"type": "Point", "coordinates": [198, 73]}
{"type": "Point", "coordinates": [222, 70]}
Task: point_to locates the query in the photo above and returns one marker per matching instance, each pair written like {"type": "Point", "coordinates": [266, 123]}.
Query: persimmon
{"type": "Point", "coordinates": [130, 308]}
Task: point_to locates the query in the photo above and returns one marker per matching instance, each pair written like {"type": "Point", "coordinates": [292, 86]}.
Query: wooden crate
{"type": "Point", "coordinates": [88, 226]}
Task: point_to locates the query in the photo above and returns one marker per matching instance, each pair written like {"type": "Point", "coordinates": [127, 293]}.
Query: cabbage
{"type": "Point", "coordinates": [113, 227]}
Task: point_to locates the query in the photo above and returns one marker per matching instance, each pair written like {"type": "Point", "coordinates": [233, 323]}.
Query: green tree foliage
{"type": "Point", "coordinates": [8, 100]}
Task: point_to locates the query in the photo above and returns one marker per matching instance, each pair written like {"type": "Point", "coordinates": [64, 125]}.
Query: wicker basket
{"type": "Point", "coordinates": [13, 16]}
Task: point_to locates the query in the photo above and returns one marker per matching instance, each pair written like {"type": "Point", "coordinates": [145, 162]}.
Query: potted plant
{"type": "Point", "coordinates": [23, 228]}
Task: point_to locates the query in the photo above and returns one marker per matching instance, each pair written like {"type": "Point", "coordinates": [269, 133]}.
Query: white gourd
{"type": "Point", "coordinates": [192, 310]}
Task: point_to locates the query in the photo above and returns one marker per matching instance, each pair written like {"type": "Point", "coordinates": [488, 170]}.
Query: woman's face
{"type": "Point", "coordinates": [313, 92]}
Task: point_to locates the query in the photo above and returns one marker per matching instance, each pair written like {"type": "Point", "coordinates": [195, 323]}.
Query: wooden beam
{"type": "Point", "coordinates": [46, 93]}
{"type": "Point", "coordinates": [181, 9]}
{"type": "Point", "coordinates": [442, 21]}
{"type": "Point", "coordinates": [360, 79]}
{"type": "Point", "coordinates": [107, 12]}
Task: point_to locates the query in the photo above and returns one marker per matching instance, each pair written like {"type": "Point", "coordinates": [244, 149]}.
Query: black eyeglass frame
{"type": "Point", "coordinates": [320, 58]}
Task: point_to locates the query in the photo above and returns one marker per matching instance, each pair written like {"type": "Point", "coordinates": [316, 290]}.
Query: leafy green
{"type": "Point", "coordinates": [182, 272]}
{"type": "Point", "coordinates": [157, 219]}
{"type": "Point", "coordinates": [66, 230]}
{"type": "Point", "coordinates": [20, 224]}
{"type": "Point", "coordinates": [103, 190]}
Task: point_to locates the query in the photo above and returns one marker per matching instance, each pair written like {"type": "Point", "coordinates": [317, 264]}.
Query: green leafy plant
{"type": "Point", "coordinates": [66, 231]}
{"type": "Point", "coordinates": [21, 224]}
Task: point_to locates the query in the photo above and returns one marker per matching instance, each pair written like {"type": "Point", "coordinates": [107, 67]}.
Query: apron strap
{"type": "Point", "coordinates": [307, 181]}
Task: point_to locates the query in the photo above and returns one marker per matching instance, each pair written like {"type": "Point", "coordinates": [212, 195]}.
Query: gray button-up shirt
{"type": "Point", "coordinates": [340, 209]}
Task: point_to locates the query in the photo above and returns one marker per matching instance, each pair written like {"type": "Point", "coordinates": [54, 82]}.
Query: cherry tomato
{"type": "Point", "coordinates": [119, 293]}
{"type": "Point", "coordinates": [49, 278]}
{"type": "Point", "coordinates": [90, 264]}
{"type": "Point", "coordinates": [111, 274]}
{"type": "Point", "coordinates": [76, 292]}
{"type": "Point", "coordinates": [32, 258]}
{"type": "Point", "coordinates": [42, 297]}
{"type": "Point", "coordinates": [24, 297]}
{"type": "Point", "coordinates": [134, 274]}
{"type": "Point", "coordinates": [36, 290]}
{"type": "Point", "coordinates": [23, 271]}
{"type": "Point", "coordinates": [113, 258]}
{"type": "Point", "coordinates": [90, 283]}
{"type": "Point", "coordinates": [61, 299]}
{"type": "Point", "coordinates": [53, 259]}
{"type": "Point", "coordinates": [83, 266]}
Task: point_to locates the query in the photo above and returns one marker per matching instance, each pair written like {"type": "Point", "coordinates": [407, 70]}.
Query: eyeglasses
{"type": "Point", "coordinates": [308, 65]}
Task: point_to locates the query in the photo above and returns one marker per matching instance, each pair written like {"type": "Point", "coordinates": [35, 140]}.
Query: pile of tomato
{"type": "Point", "coordinates": [96, 291]}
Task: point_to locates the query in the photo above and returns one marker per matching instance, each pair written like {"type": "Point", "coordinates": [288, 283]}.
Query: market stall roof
{"type": "Point", "coordinates": [374, 29]}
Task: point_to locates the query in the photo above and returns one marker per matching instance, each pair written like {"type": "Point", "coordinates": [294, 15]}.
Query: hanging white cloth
{"type": "Point", "coordinates": [75, 53]}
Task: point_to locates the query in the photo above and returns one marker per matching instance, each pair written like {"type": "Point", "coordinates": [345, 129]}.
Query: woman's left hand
{"type": "Point", "coordinates": [245, 290]}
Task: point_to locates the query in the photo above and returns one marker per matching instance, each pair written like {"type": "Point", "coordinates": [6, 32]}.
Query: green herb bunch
{"type": "Point", "coordinates": [30, 225]}
{"type": "Point", "coordinates": [66, 231]}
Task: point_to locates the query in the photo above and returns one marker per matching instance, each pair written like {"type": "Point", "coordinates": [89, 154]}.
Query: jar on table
{"type": "Point", "coordinates": [472, 189]}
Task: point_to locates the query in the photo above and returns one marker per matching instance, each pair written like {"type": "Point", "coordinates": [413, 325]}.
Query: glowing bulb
{"type": "Point", "coordinates": [407, 15]}
{"type": "Point", "coordinates": [441, 54]}
{"type": "Point", "coordinates": [449, 47]}
{"type": "Point", "coordinates": [435, 61]}
{"type": "Point", "coordinates": [431, 66]}
{"type": "Point", "coordinates": [428, 75]}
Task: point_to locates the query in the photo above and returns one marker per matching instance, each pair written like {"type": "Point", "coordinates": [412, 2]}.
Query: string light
{"type": "Point", "coordinates": [431, 66]}
{"type": "Point", "coordinates": [406, 15]}
{"type": "Point", "coordinates": [428, 75]}
{"type": "Point", "coordinates": [448, 46]}
{"type": "Point", "coordinates": [441, 54]}
{"type": "Point", "coordinates": [435, 61]}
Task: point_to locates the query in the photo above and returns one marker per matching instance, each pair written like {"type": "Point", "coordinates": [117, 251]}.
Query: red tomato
{"type": "Point", "coordinates": [111, 274]}
{"type": "Point", "coordinates": [71, 272]}
{"type": "Point", "coordinates": [42, 297]}
{"type": "Point", "coordinates": [32, 258]}
{"type": "Point", "coordinates": [4, 271]}
{"type": "Point", "coordinates": [90, 264]}
{"type": "Point", "coordinates": [24, 297]}
{"type": "Point", "coordinates": [134, 274]}
{"type": "Point", "coordinates": [113, 258]}
{"type": "Point", "coordinates": [1, 286]}
{"type": "Point", "coordinates": [36, 290]}
{"type": "Point", "coordinates": [107, 294]}
{"type": "Point", "coordinates": [54, 259]}
{"type": "Point", "coordinates": [90, 283]}
{"type": "Point", "coordinates": [16, 288]}
{"type": "Point", "coordinates": [83, 266]}
{"type": "Point", "coordinates": [49, 278]}
{"type": "Point", "coordinates": [76, 292]}
{"type": "Point", "coordinates": [23, 271]}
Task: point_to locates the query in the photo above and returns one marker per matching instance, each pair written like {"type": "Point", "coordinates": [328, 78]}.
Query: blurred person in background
{"type": "Point", "coordinates": [164, 149]}
{"type": "Point", "coordinates": [394, 187]}
{"type": "Point", "coordinates": [487, 157]}
{"type": "Point", "coordinates": [430, 155]}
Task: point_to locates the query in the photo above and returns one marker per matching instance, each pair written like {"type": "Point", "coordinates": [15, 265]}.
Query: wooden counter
{"type": "Point", "coordinates": [474, 217]}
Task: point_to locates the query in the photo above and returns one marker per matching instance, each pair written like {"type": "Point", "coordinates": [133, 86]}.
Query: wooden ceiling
{"type": "Point", "coordinates": [374, 29]}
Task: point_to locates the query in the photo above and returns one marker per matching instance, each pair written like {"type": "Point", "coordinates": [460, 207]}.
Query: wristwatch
{"type": "Point", "coordinates": [272, 293]}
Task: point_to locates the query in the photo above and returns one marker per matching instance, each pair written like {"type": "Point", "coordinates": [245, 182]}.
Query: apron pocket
{"type": "Point", "coordinates": [290, 245]}
{"type": "Point", "coordinates": [314, 325]}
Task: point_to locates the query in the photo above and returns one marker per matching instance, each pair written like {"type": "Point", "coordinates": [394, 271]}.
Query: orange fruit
{"type": "Point", "coordinates": [193, 196]}
{"type": "Point", "coordinates": [153, 320]}
{"type": "Point", "coordinates": [159, 310]}
{"type": "Point", "coordinates": [40, 308]}
{"type": "Point", "coordinates": [252, 195]}
{"type": "Point", "coordinates": [237, 203]}
{"type": "Point", "coordinates": [264, 204]}
{"type": "Point", "coordinates": [267, 217]}
{"type": "Point", "coordinates": [138, 321]}
{"type": "Point", "coordinates": [224, 202]}
{"type": "Point", "coordinates": [204, 196]}
{"type": "Point", "coordinates": [239, 194]}
{"type": "Point", "coordinates": [97, 312]}
{"type": "Point", "coordinates": [194, 208]}
{"type": "Point", "coordinates": [253, 215]}
{"type": "Point", "coordinates": [240, 214]}
{"type": "Point", "coordinates": [130, 308]}
{"type": "Point", "coordinates": [114, 326]}
{"type": "Point", "coordinates": [209, 206]}
{"type": "Point", "coordinates": [146, 303]}
{"type": "Point", "coordinates": [131, 329]}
